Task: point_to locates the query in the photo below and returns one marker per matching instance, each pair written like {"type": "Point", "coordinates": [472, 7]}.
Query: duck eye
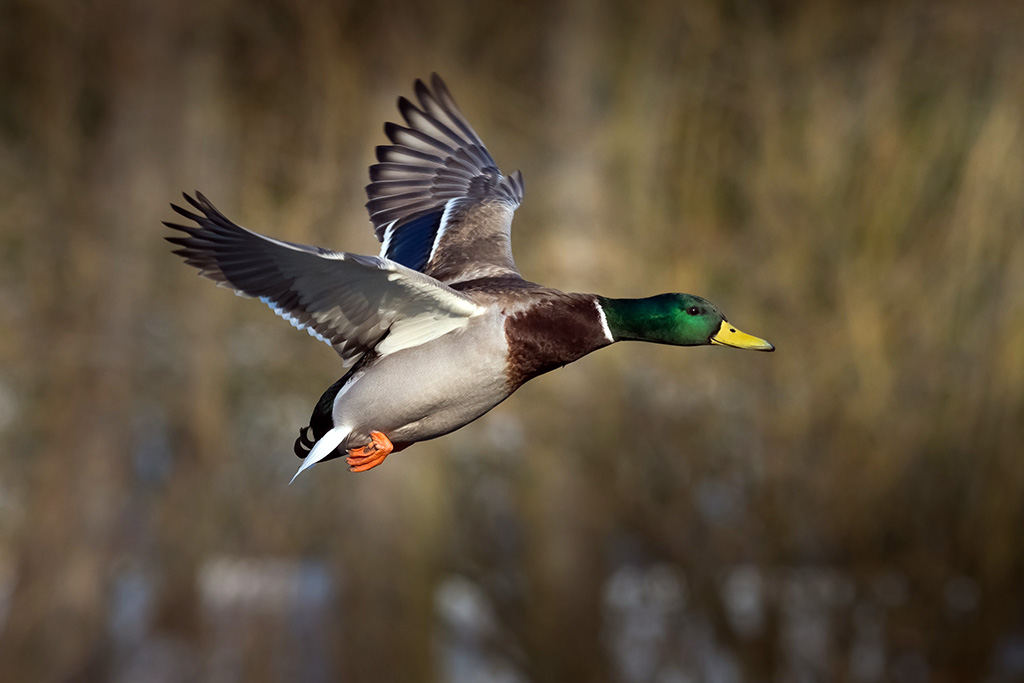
{"type": "Point", "coordinates": [693, 310]}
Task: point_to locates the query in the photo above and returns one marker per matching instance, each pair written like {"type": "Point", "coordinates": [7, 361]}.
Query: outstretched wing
{"type": "Point", "coordinates": [353, 303]}
{"type": "Point", "coordinates": [437, 201]}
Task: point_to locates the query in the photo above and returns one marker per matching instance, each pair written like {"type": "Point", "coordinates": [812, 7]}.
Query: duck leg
{"type": "Point", "coordinates": [369, 456]}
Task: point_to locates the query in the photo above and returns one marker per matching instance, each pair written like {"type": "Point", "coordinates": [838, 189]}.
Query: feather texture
{"type": "Point", "coordinates": [349, 301]}
{"type": "Point", "coordinates": [437, 200]}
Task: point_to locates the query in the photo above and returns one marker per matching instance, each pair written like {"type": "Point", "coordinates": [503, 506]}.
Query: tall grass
{"type": "Point", "coordinates": [844, 179]}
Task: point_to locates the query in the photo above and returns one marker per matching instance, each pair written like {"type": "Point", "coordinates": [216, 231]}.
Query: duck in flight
{"type": "Point", "coordinates": [440, 327]}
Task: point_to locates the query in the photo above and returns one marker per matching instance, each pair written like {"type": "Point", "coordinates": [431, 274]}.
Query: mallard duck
{"type": "Point", "coordinates": [440, 327]}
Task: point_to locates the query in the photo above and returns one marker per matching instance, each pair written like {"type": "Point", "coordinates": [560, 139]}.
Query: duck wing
{"type": "Point", "coordinates": [353, 303]}
{"type": "Point", "coordinates": [437, 200]}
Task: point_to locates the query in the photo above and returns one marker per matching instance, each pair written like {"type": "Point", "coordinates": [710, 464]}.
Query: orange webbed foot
{"type": "Point", "coordinates": [369, 456]}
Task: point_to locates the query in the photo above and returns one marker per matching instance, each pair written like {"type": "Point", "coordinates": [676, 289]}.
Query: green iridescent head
{"type": "Point", "coordinates": [678, 319]}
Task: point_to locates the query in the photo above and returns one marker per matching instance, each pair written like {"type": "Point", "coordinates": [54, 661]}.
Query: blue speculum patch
{"type": "Point", "coordinates": [411, 243]}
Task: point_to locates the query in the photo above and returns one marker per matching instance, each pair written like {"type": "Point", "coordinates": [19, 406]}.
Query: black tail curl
{"type": "Point", "coordinates": [304, 444]}
{"type": "Point", "coordinates": [321, 421]}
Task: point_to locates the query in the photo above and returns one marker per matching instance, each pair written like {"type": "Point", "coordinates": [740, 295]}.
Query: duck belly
{"type": "Point", "coordinates": [426, 391]}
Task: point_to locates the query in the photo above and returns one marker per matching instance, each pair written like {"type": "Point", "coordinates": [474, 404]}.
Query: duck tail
{"type": "Point", "coordinates": [304, 444]}
{"type": "Point", "coordinates": [322, 419]}
{"type": "Point", "coordinates": [323, 448]}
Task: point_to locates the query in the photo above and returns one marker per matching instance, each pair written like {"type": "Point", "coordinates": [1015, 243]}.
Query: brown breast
{"type": "Point", "coordinates": [553, 330]}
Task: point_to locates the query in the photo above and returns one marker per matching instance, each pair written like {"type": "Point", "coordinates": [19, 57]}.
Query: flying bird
{"type": "Point", "coordinates": [440, 327]}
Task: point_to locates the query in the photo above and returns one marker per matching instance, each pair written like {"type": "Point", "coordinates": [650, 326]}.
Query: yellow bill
{"type": "Point", "coordinates": [728, 335]}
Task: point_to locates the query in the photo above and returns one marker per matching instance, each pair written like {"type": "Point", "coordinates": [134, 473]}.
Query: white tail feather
{"type": "Point", "coordinates": [324, 447]}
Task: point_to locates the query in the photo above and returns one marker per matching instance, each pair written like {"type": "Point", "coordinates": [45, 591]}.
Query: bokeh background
{"type": "Point", "coordinates": [844, 179]}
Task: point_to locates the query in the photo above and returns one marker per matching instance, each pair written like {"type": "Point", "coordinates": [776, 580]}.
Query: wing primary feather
{"type": "Point", "coordinates": [414, 139]}
{"type": "Point", "coordinates": [438, 164]}
{"type": "Point", "coordinates": [419, 119]}
{"type": "Point", "coordinates": [445, 100]}
{"type": "Point", "coordinates": [401, 154]}
{"type": "Point", "coordinates": [348, 301]}
{"type": "Point", "coordinates": [391, 170]}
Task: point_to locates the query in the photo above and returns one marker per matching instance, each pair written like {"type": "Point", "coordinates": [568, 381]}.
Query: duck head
{"type": "Point", "coordinates": [677, 319]}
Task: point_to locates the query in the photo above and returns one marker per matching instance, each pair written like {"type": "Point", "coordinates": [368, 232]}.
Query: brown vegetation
{"type": "Point", "coordinates": [844, 179]}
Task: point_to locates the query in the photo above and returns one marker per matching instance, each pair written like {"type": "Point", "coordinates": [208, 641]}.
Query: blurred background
{"type": "Point", "coordinates": [845, 179]}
